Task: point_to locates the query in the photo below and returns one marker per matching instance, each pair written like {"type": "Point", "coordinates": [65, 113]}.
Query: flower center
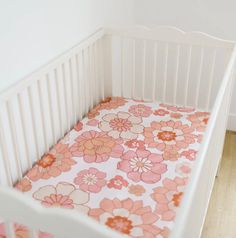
{"type": "Point", "coordinates": [121, 224]}
{"type": "Point", "coordinates": [46, 161]}
{"type": "Point", "coordinates": [90, 179]}
{"type": "Point", "coordinates": [177, 198]}
{"type": "Point", "coordinates": [120, 124]}
{"type": "Point", "coordinates": [140, 164]}
{"type": "Point", "coordinates": [166, 135]}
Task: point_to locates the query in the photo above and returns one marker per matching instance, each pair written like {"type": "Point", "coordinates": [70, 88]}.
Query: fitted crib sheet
{"type": "Point", "coordinates": [126, 165]}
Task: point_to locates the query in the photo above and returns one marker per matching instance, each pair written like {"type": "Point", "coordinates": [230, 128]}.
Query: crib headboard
{"type": "Point", "coordinates": [36, 112]}
{"type": "Point", "coordinates": [168, 65]}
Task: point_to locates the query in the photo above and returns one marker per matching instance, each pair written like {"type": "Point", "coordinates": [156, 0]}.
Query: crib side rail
{"type": "Point", "coordinates": [194, 206]}
{"type": "Point", "coordinates": [168, 65]}
{"type": "Point", "coordinates": [38, 111]}
{"type": "Point", "coordinates": [60, 223]}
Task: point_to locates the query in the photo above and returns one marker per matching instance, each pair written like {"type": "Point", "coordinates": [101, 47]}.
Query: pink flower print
{"type": "Point", "coordinates": [128, 217]}
{"type": "Point", "coordinates": [53, 164]}
{"type": "Point", "coordinates": [90, 180]}
{"type": "Point", "coordinates": [142, 165]}
{"type": "Point", "coordinates": [96, 147]}
{"type": "Point", "coordinates": [183, 169]}
{"type": "Point", "coordinates": [117, 182]}
{"type": "Point", "coordinates": [189, 154]}
{"type": "Point", "coordinates": [78, 126]}
{"type": "Point", "coordinates": [93, 122]}
{"type": "Point", "coordinates": [169, 135]}
{"type": "Point", "coordinates": [135, 144]}
{"type": "Point", "coordinates": [177, 108]}
{"type": "Point", "coordinates": [168, 197]}
{"type": "Point", "coordinates": [199, 120]}
{"type": "Point", "coordinates": [161, 112]}
{"type": "Point", "coordinates": [140, 110]}
{"type": "Point", "coordinates": [64, 195]}
{"type": "Point", "coordinates": [122, 125]}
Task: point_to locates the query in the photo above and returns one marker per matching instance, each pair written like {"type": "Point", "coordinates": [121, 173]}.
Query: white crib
{"type": "Point", "coordinates": [163, 64]}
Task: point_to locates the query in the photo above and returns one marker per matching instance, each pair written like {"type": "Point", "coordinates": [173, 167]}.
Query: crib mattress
{"type": "Point", "coordinates": [126, 165]}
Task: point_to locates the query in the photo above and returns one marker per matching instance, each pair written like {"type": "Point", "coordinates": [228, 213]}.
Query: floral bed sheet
{"type": "Point", "coordinates": [126, 165]}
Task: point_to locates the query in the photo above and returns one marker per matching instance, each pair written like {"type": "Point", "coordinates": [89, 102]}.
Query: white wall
{"type": "Point", "coordinates": [216, 17]}
{"type": "Point", "coordinates": [34, 32]}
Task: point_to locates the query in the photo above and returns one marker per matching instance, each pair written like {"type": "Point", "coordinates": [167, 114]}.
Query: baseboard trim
{"type": "Point", "coordinates": [232, 122]}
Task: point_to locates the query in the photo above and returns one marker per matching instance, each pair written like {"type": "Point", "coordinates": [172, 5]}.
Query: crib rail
{"type": "Point", "coordinates": [198, 192]}
{"type": "Point", "coordinates": [57, 222]}
{"type": "Point", "coordinates": [41, 108]}
{"type": "Point", "coordinates": [168, 65]}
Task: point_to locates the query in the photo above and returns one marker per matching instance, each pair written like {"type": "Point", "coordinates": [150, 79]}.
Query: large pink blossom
{"type": "Point", "coordinates": [177, 108]}
{"type": "Point", "coordinates": [199, 120]}
{"type": "Point", "coordinates": [140, 110]}
{"type": "Point", "coordinates": [128, 217]}
{"type": "Point", "coordinates": [122, 125]}
{"type": "Point", "coordinates": [142, 165]}
{"type": "Point", "coordinates": [90, 180]}
{"type": "Point", "coordinates": [169, 135]}
{"type": "Point", "coordinates": [168, 197]}
{"type": "Point", "coordinates": [53, 164]}
{"type": "Point", "coordinates": [97, 147]}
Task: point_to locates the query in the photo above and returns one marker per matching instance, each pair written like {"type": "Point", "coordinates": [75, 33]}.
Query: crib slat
{"type": "Point", "coordinates": [176, 74]}
{"type": "Point", "coordinates": [102, 69]}
{"type": "Point", "coordinates": [74, 84]}
{"type": "Point", "coordinates": [134, 69]}
{"type": "Point", "coordinates": [58, 100]}
{"type": "Point", "coordinates": [165, 71]}
{"type": "Point", "coordinates": [33, 234]}
{"type": "Point", "coordinates": [199, 78]}
{"type": "Point", "coordinates": [122, 66]}
{"type": "Point", "coordinates": [96, 78]}
{"type": "Point", "coordinates": [80, 105]}
{"type": "Point", "coordinates": [9, 228]}
{"type": "Point", "coordinates": [72, 89]}
{"type": "Point", "coordinates": [154, 72]}
{"type": "Point", "coordinates": [144, 68]}
{"type": "Point", "coordinates": [188, 75]}
{"type": "Point", "coordinates": [5, 155]}
{"type": "Point", "coordinates": [90, 74]}
{"type": "Point", "coordinates": [23, 124]}
{"type": "Point", "coordinates": [45, 140]}
{"type": "Point", "coordinates": [14, 140]}
{"type": "Point", "coordinates": [32, 113]}
{"type": "Point", "coordinates": [211, 80]}
{"type": "Point", "coordinates": [51, 115]}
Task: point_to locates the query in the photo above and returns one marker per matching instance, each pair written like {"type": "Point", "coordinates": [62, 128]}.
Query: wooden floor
{"type": "Point", "coordinates": [221, 216]}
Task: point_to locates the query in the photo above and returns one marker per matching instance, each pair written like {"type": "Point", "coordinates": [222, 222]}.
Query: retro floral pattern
{"type": "Point", "coordinates": [142, 165]}
{"type": "Point", "coordinates": [122, 125]}
{"type": "Point", "coordinates": [169, 135]}
{"type": "Point", "coordinates": [63, 195]}
{"type": "Point", "coordinates": [97, 147]}
{"type": "Point", "coordinates": [128, 217]}
{"type": "Point", "coordinates": [91, 180]}
{"type": "Point", "coordinates": [126, 164]}
{"type": "Point", "coordinates": [168, 197]}
{"type": "Point", "coordinates": [53, 164]}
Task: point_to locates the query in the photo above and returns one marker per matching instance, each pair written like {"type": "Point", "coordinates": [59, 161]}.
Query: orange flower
{"type": "Point", "coordinates": [53, 164]}
{"type": "Point", "coordinates": [24, 185]}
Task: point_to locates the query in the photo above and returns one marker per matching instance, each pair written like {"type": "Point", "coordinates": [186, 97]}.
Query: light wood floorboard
{"type": "Point", "coordinates": [221, 216]}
